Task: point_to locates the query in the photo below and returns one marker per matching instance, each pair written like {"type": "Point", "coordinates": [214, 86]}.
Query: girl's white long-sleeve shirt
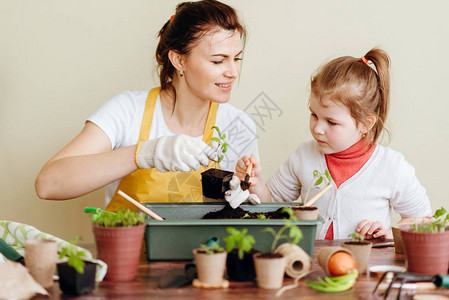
{"type": "Point", "coordinates": [386, 181]}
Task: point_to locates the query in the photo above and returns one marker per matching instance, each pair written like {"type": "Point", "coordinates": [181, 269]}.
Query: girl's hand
{"type": "Point", "coordinates": [370, 229]}
{"type": "Point", "coordinates": [256, 173]}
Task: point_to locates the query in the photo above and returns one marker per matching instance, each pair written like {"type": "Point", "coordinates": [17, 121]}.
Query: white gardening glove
{"type": "Point", "coordinates": [175, 153]}
{"type": "Point", "coordinates": [236, 196]}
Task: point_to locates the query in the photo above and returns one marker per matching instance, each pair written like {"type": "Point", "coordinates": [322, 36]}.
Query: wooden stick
{"type": "Point", "coordinates": [250, 166]}
{"type": "Point", "coordinates": [317, 196]}
{"type": "Point", "coordinates": [140, 206]}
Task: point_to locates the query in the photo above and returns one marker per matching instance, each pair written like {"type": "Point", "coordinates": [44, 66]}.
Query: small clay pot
{"type": "Point", "coordinates": [40, 258]}
{"type": "Point", "coordinates": [210, 268]}
{"type": "Point", "coordinates": [397, 238]}
{"type": "Point", "coordinates": [241, 269]}
{"type": "Point", "coordinates": [73, 283]}
{"type": "Point", "coordinates": [305, 212]}
{"type": "Point", "coordinates": [215, 183]}
{"type": "Point", "coordinates": [119, 248]}
{"type": "Point", "coordinates": [426, 253]}
{"type": "Point", "coordinates": [325, 254]}
{"type": "Point", "coordinates": [269, 270]}
{"type": "Point", "coordinates": [361, 251]}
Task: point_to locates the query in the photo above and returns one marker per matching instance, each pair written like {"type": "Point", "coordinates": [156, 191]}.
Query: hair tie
{"type": "Point", "coordinates": [365, 61]}
{"type": "Point", "coordinates": [171, 18]}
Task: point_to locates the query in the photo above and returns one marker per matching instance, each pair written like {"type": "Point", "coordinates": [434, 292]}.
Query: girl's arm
{"type": "Point", "coordinates": [86, 164]}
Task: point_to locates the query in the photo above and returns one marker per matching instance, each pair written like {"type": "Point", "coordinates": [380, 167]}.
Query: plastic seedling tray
{"type": "Point", "coordinates": [184, 229]}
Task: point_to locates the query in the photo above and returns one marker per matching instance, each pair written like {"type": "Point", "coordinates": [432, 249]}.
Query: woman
{"type": "Point", "coordinates": [138, 140]}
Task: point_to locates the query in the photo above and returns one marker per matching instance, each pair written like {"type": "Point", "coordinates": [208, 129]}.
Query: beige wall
{"type": "Point", "coordinates": [60, 60]}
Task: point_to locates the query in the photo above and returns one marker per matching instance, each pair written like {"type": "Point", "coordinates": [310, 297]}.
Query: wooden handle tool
{"type": "Point", "coordinates": [317, 196]}
{"type": "Point", "coordinates": [140, 206]}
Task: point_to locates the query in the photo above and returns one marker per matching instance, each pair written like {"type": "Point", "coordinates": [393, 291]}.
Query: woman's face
{"type": "Point", "coordinates": [332, 125]}
{"type": "Point", "coordinates": [212, 66]}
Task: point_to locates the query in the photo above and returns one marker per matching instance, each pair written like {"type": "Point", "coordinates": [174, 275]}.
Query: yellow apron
{"type": "Point", "coordinates": [150, 185]}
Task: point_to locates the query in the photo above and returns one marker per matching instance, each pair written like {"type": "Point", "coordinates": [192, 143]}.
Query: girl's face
{"type": "Point", "coordinates": [212, 65]}
{"type": "Point", "coordinates": [332, 126]}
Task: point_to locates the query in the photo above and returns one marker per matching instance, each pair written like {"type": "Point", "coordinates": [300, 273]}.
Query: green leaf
{"type": "Point", "coordinates": [223, 136]}
{"type": "Point", "coordinates": [217, 129]}
{"type": "Point", "coordinates": [215, 139]}
{"type": "Point", "coordinates": [224, 148]}
{"type": "Point", "coordinates": [318, 182]}
{"type": "Point", "coordinates": [439, 213]}
{"type": "Point", "coordinates": [328, 176]}
{"type": "Point", "coordinates": [220, 158]}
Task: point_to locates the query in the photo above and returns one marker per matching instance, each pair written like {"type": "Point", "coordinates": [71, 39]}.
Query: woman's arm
{"type": "Point", "coordinates": [86, 164]}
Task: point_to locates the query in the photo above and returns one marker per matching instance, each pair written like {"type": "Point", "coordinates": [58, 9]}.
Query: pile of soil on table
{"type": "Point", "coordinates": [229, 213]}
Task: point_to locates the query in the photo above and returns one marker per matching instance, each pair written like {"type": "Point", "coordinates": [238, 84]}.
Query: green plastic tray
{"type": "Point", "coordinates": [183, 229]}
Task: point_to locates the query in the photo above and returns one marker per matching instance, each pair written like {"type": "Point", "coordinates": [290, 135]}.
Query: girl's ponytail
{"type": "Point", "coordinates": [381, 62]}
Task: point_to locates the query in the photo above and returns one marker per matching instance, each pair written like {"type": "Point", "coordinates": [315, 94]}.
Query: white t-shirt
{"type": "Point", "coordinates": [121, 117]}
{"type": "Point", "coordinates": [385, 181]}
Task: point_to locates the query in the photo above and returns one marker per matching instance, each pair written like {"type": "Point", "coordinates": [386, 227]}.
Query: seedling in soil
{"type": "Point", "coordinates": [74, 255]}
{"type": "Point", "coordinates": [243, 241]}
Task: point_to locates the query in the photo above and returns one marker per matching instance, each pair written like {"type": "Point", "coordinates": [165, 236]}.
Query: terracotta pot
{"type": "Point", "coordinates": [241, 269]}
{"type": "Point", "coordinates": [426, 253]}
{"type": "Point", "coordinates": [215, 182]}
{"type": "Point", "coordinates": [397, 238]}
{"type": "Point", "coordinates": [40, 258]}
{"type": "Point", "coordinates": [269, 270]}
{"type": "Point", "coordinates": [305, 212]}
{"type": "Point", "coordinates": [119, 248]}
{"type": "Point", "coordinates": [361, 251]}
{"type": "Point", "coordinates": [73, 283]}
{"type": "Point", "coordinates": [210, 268]}
{"type": "Point", "coordinates": [325, 254]}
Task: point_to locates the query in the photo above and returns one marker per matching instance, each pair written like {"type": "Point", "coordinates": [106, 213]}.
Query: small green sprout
{"type": "Point", "coordinates": [356, 237]}
{"type": "Point", "coordinates": [215, 248]}
{"type": "Point", "coordinates": [294, 235]}
{"type": "Point", "coordinates": [220, 143]}
{"type": "Point", "coordinates": [246, 216]}
{"type": "Point", "coordinates": [261, 217]}
{"type": "Point", "coordinates": [317, 179]}
{"type": "Point", "coordinates": [74, 255]}
{"type": "Point", "coordinates": [243, 241]}
{"type": "Point", "coordinates": [122, 218]}
{"type": "Point", "coordinates": [438, 223]}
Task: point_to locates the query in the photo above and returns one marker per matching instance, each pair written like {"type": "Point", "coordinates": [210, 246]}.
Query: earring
{"type": "Point", "coordinates": [364, 135]}
{"type": "Point", "coordinates": [181, 73]}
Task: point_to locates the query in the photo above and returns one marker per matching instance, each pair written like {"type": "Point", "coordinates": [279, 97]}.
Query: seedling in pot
{"type": "Point", "coordinates": [75, 256]}
{"type": "Point", "coordinates": [294, 234]}
{"type": "Point", "coordinates": [318, 179]}
{"type": "Point", "coordinates": [241, 239]}
{"type": "Point", "coordinates": [356, 237]}
{"type": "Point", "coordinates": [122, 218]}
{"type": "Point", "coordinates": [215, 248]}
{"type": "Point", "coordinates": [438, 223]}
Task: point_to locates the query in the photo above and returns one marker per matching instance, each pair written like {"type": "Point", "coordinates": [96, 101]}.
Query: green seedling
{"type": "Point", "coordinates": [294, 233]}
{"type": "Point", "coordinates": [355, 237]}
{"type": "Point", "coordinates": [246, 216]}
{"type": "Point", "coordinates": [317, 179]}
{"type": "Point", "coordinates": [438, 223]}
{"type": "Point", "coordinates": [122, 218]}
{"type": "Point", "coordinates": [241, 239]}
{"type": "Point", "coordinates": [261, 217]}
{"type": "Point", "coordinates": [334, 284]}
{"type": "Point", "coordinates": [221, 145]}
{"type": "Point", "coordinates": [215, 248]}
{"type": "Point", "coordinates": [74, 255]}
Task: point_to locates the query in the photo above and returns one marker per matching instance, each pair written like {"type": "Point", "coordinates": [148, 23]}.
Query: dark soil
{"type": "Point", "coordinates": [306, 208]}
{"type": "Point", "coordinates": [229, 213]}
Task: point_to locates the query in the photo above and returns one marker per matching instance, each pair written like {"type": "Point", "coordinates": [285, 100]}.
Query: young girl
{"type": "Point", "coordinates": [348, 103]}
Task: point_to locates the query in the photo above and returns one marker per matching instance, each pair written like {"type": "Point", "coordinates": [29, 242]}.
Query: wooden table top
{"type": "Point", "coordinates": [146, 284]}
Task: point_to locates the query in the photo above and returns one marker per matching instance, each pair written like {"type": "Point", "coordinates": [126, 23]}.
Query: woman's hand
{"type": "Point", "coordinates": [373, 229]}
